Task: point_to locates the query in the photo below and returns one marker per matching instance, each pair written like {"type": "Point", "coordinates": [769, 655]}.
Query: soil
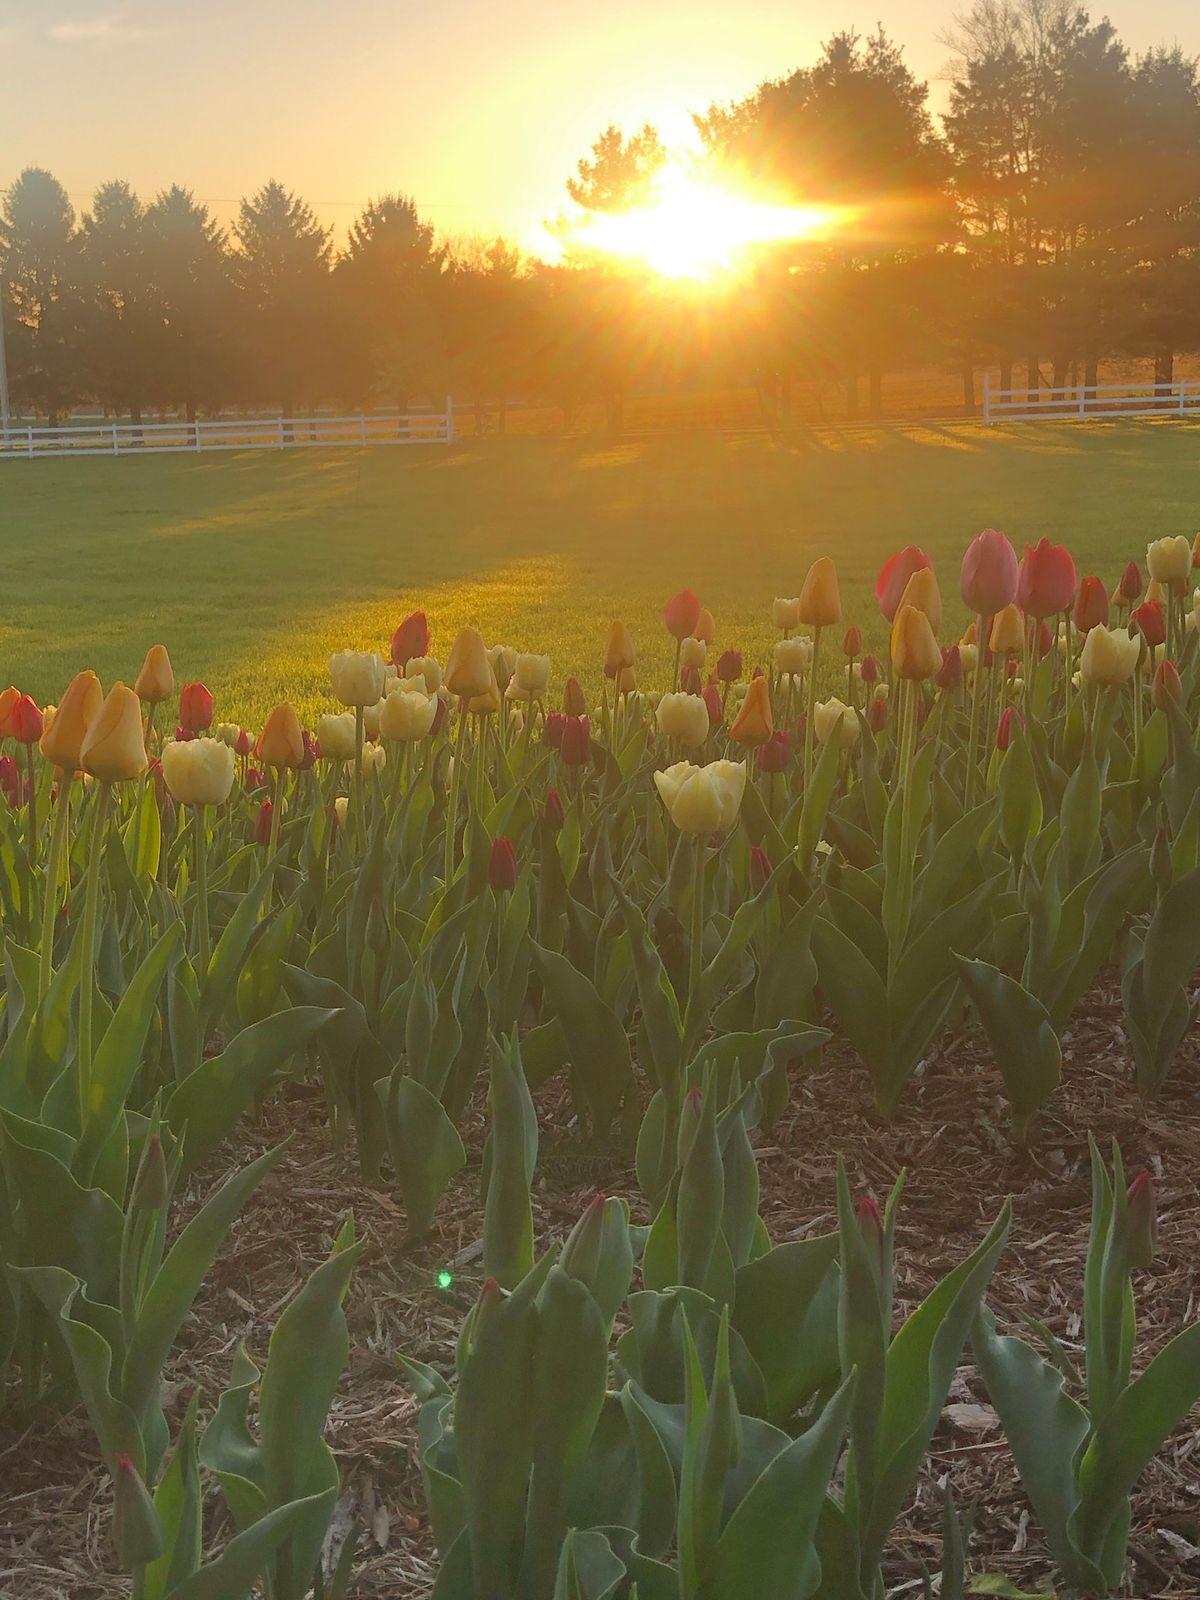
{"type": "Point", "coordinates": [950, 1134]}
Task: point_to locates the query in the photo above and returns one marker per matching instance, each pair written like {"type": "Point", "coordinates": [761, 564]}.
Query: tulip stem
{"type": "Point", "coordinates": [58, 839]}
{"type": "Point", "coordinates": [812, 701]}
{"type": "Point", "coordinates": [460, 741]}
{"type": "Point", "coordinates": [696, 948]}
{"type": "Point", "coordinates": [200, 839]}
{"type": "Point", "coordinates": [359, 798]}
{"type": "Point", "coordinates": [276, 814]}
{"type": "Point", "coordinates": [973, 729]}
{"type": "Point", "coordinates": [87, 975]}
{"type": "Point", "coordinates": [31, 840]}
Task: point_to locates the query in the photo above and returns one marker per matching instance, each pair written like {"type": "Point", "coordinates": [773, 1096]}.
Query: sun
{"type": "Point", "coordinates": [694, 229]}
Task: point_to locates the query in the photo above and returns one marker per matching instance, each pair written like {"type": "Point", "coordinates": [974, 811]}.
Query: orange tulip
{"type": "Point", "coordinates": [8, 700]}
{"type": "Point", "coordinates": [1008, 632]}
{"type": "Point", "coordinates": [706, 626]}
{"type": "Point", "coordinates": [820, 600]}
{"type": "Point", "coordinates": [112, 747]}
{"type": "Point", "coordinates": [574, 699]}
{"type": "Point", "coordinates": [922, 591]}
{"type": "Point", "coordinates": [468, 670]}
{"type": "Point", "coordinates": [281, 743]}
{"type": "Point", "coordinates": [156, 681]}
{"type": "Point", "coordinates": [618, 650]}
{"type": "Point", "coordinates": [915, 650]}
{"type": "Point", "coordinates": [753, 723]}
{"type": "Point", "coordinates": [77, 710]}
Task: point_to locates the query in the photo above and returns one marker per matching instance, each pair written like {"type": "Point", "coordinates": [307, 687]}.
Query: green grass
{"type": "Point", "coordinates": [253, 567]}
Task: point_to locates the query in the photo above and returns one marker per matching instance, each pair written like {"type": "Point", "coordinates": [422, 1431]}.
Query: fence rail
{"type": "Point", "coordinates": [1086, 402]}
{"type": "Point", "coordinates": [224, 433]}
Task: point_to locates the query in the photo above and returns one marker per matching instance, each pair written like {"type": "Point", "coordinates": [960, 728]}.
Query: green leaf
{"type": "Point", "coordinates": [513, 1146]}
{"type": "Point", "coordinates": [424, 1145]}
{"type": "Point", "coordinates": [248, 1554]}
{"type": "Point", "coordinates": [1024, 1045]}
{"type": "Point", "coordinates": [595, 1038]}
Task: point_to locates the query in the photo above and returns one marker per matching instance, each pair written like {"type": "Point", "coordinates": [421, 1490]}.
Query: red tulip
{"type": "Point", "coordinates": [729, 666]}
{"type": "Point", "coordinates": [852, 643]}
{"type": "Point", "coordinates": [552, 729]}
{"type": "Point", "coordinates": [244, 743]}
{"type": "Point", "coordinates": [877, 715]}
{"type": "Point", "coordinates": [410, 639]}
{"type": "Point", "coordinates": [312, 751]}
{"type": "Point", "coordinates": [195, 708]}
{"type": "Point", "coordinates": [988, 579]}
{"type": "Point", "coordinates": [689, 680]}
{"type": "Point", "coordinates": [951, 672]}
{"type": "Point", "coordinates": [869, 668]}
{"type": "Point", "coordinates": [1167, 685]}
{"type": "Point", "coordinates": [1130, 586]}
{"type": "Point", "coordinates": [893, 578]}
{"type": "Point", "coordinates": [553, 811]}
{"type": "Point", "coordinates": [1043, 640]}
{"type": "Point", "coordinates": [256, 778]}
{"type": "Point", "coordinates": [10, 780]}
{"type": "Point", "coordinates": [575, 746]}
{"type": "Point", "coordinates": [760, 868]}
{"type": "Point", "coordinates": [1149, 618]}
{"type": "Point", "coordinates": [25, 721]}
{"type": "Point", "coordinates": [681, 614]}
{"type": "Point", "coordinates": [712, 699]}
{"type": "Point", "coordinates": [1046, 581]}
{"type": "Point", "coordinates": [262, 823]}
{"type": "Point", "coordinates": [502, 865]}
{"type": "Point", "coordinates": [439, 717]}
{"type": "Point", "coordinates": [1091, 605]}
{"type": "Point", "coordinates": [1008, 716]}
{"type": "Point", "coordinates": [182, 735]}
{"type": "Point", "coordinates": [774, 754]}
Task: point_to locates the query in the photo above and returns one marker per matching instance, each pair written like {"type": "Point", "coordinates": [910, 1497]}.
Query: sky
{"type": "Point", "coordinates": [477, 108]}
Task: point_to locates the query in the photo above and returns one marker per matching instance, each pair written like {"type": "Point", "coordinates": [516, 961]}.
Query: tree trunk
{"type": "Point", "coordinates": [135, 419]}
{"type": "Point", "coordinates": [968, 386]}
{"type": "Point", "coordinates": [1032, 379]}
{"type": "Point", "coordinates": [852, 397]}
{"type": "Point", "coordinates": [1091, 371]}
{"type": "Point", "coordinates": [1164, 373]}
{"type": "Point", "coordinates": [875, 402]}
{"type": "Point", "coordinates": [1060, 370]}
{"type": "Point", "coordinates": [1005, 374]}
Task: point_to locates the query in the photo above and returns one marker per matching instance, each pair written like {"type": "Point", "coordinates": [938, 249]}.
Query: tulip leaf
{"type": "Point", "coordinates": [511, 1159]}
{"type": "Point", "coordinates": [599, 1049]}
{"type": "Point", "coordinates": [249, 1553]}
{"type": "Point", "coordinates": [425, 1148]}
{"type": "Point", "coordinates": [1024, 1045]}
{"type": "Point", "coordinates": [785, 1308]}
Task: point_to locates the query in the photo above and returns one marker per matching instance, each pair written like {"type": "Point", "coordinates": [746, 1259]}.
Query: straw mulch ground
{"type": "Point", "coordinates": [949, 1133]}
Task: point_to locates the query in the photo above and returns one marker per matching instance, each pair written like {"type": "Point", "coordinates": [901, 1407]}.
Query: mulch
{"type": "Point", "coordinates": [950, 1135]}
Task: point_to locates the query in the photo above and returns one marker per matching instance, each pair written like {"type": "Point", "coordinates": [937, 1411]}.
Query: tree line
{"type": "Point", "coordinates": [1051, 221]}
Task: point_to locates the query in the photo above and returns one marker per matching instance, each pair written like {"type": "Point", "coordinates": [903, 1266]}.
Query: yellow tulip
{"type": "Point", "coordinates": [915, 651]}
{"type": "Point", "coordinates": [1109, 655]}
{"type": "Point", "coordinates": [683, 717]}
{"type": "Point", "coordinates": [1007, 636]}
{"type": "Point", "coordinates": [754, 723]}
{"type": "Point", "coordinates": [488, 700]}
{"type": "Point", "coordinates": [407, 715]}
{"type": "Point", "coordinates": [156, 681]}
{"type": "Point", "coordinates": [922, 591]}
{"type": "Point", "coordinates": [112, 747]}
{"type": "Point", "coordinates": [693, 653]}
{"type": "Point", "coordinates": [531, 675]}
{"type": "Point", "coordinates": [702, 799]}
{"type": "Point", "coordinates": [793, 656]}
{"type": "Point", "coordinates": [281, 744]}
{"type": "Point", "coordinates": [1170, 560]}
{"type": "Point", "coordinates": [618, 649]}
{"type": "Point", "coordinates": [706, 626]}
{"type": "Point", "coordinates": [626, 681]}
{"type": "Point", "coordinates": [468, 670]}
{"type": "Point", "coordinates": [357, 676]}
{"type": "Point", "coordinates": [820, 600]}
{"type": "Point", "coordinates": [427, 667]}
{"type": "Point", "coordinates": [833, 718]}
{"type": "Point", "coordinates": [63, 738]}
{"type": "Point", "coordinates": [785, 614]}
{"type": "Point", "coordinates": [198, 772]}
{"type": "Point", "coordinates": [335, 734]}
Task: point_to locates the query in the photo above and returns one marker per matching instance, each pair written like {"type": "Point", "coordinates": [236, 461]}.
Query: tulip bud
{"type": "Point", "coordinates": [1130, 586]}
{"type": "Point", "coordinates": [574, 699]}
{"type": "Point", "coordinates": [8, 700]}
{"type": "Point", "coordinates": [870, 1222]}
{"type": "Point", "coordinates": [552, 729]}
{"type": "Point", "coordinates": [113, 748]}
{"type": "Point", "coordinates": [575, 743]}
{"type": "Point", "coordinates": [1149, 619]}
{"type": "Point", "coordinates": [760, 869]}
{"type": "Point", "coordinates": [753, 723]}
{"type": "Point", "coordinates": [820, 599]}
{"type": "Point", "coordinates": [683, 717]}
{"type": "Point", "coordinates": [599, 1253]}
{"type": "Point", "coordinates": [681, 615]}
{"type": "Point", "coordinates": [916, 653]}
{"type": "Point", "coordinates": [1046, 580]}
{"type": "Point", "coordinates": [1170, 560]}
{"type": "Point", "coordinates": [950, 675]}
{"type": "Point", "coordinates": [988, 578]}
{"type": "Point", "coordinates": [773, 756]}
{"type": "Point", "coordinates": [869, 669]}
{"type": "Point", "coordinates": [149, 1191]}
{"type": "Point", "coordinates": [690, 1113]}
{"type": "Point", "coordinates": [198, 772]}
{"type": "Point", "coordinates": [922, 592]}
{"type": "Point", "coordinates": [502, 865]}
{"type": "Point", "coordinates": [156, 681]}
{"type": "Point", "coordinates": [25, 721]}
{"type": "Point", "coordinates": [281, 743]}
{"type": "Point", "coordinates": [877, 716]}
{"type": "Point", "coordinates": [618, 650]}
{"type": "Point", "coordinates": [1142, 1237]}
{"type": "Point", "coordinates": [410, 639]}
{"type": "Point", "coordinates": [712, 699]}
{"type": "Point", "coordinates": [195, 708]}
{"type": "Point", "coordinates": [689, 680]}
{"type": "Point", "coordinates": [553, 810]}
{"type": "Point", "coordinates": [63, 740]}
{"type": "Point", "coordinates": [468, 670]}
{"type": "Point", "coordinates": [341, 810]}
{"type": "Point", "coordinates": [1007, 634]}
{"type": "Point", "coordinates": [1008, 716]}
{"type": "Point", "coordinates": [729, 666]}
{"type": "Point", "coordinates": [1167, 685]}
{"type": "Point", "coordinates": [136, 1530]}
{"type": "Point", "coordinates": [893, 579]}
{"type": "Point", "coordinates": [1109, 656]}
{"type": "Point", "coordinates": [1091, 605]}
{"type": "Point", "coordinates": [262, 823]}
{"type": "Point", "coordinates": [852, 641]}
{"type": "Point", "coordinates": [833, 718]}
{"type": "Point", "coordinates": [256, 778]}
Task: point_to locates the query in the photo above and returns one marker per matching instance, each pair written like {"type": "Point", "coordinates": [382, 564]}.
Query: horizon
{"type": "Point", "coordinates": [461, 142]}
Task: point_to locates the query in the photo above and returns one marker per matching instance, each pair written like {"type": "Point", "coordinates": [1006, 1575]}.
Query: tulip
{"type": "Point", "coordinates": [1008, 716]}
{"type": "Point", "coordinates": [760, 869]}
{"type": "Point", "coordinates": [951, 672]}
{"type": "Point", "coordinates": [256, 778]}
{"type": "Point", "coordinates": [1148, 617]}
{"type": "Point", "coordinates": [427, 667]}
{"type": "Point", "coordinates": [1141, 1239]}
{"type": "Point", "coordinates": [877, 715]}
{"type": "Point", "coordinates": [410, 639]}
{"type": "Point", "coordinates": [10, 781]}
{"type": "Point", "coordinates": [156, 681]}
{"type": "Point", "coordinates": [281, 743]}
{"type": "Point", "coordinates": [552, 728]}
{"type": "Point", "coordinates": [626, 681]}
{"type": "Point", "coordinates": [729, 666]}
{"type": "Point", "coordinates": [244, 743]}
{"type": "Point", "coordinates": [25, 721]}
{"type": "Point", "coordinates": [1158, 592]}
{"type": "Point", "coordinates": [553, 809]}
{"type": "Point", "coordinates": [503, 659]}
{"type": "Point", "coordinates": [112, 748]}
{"type": "Point", "coordinates": [702, 800]}
{"type": "Point", "coordinates": [922, 591]}
{"type": "Point", "coordinates": [531, 674]}
{"type": "Point", "coordinates": [488, 702]}
{"type": "Point", "coordinates": [869, 669]}
{"type": "Point", "coordinates": [1129, 586]}
{"type": "Point", "coordinates": [341, 810]}
{"type": "Point", "coordinates": [195, 708]}
{"type": "Point", "coordinates": [793, 656]}
{"type": "Point", "coordinates": [832, 718]}
{"type": "Point", "coordinates": [502, 865]}
{"type": "Point", "coordinates": [357, 677]}
{"type": "Point", "coordinates": [575, 746]}
{"type": "Point", "coordinates": [8, 700]}
{"type": "Point", "coordinates": [199, 772]}
{"type": "Point", "coordinates": [692, 653]}
{"type": "Point", "coordinates": [969, 656]}
{"type": "Point", "coordinates": [618, 650]}
{"type": "Point", "coordinates": [785, 614]}
{"type": "Point", "coordinates": [820, 601]}
{"type": "Point", "coordinates": [753, 723]}
{"type": "Point", "coordinates": [1109, 656]}
{"type": "Point", "coordinates": [683, 717]}
{"type": "Point", "coordinates": [915, 651]}
{"type": "Point", "coordinates": [1167, 686]}
{"type": "Point", "coordinates": [852, 641]}
{"type": "Point", "coordinates": [894, 576]}
{"type": "Point", "coordinates": [988, 579]}
{"type": "Point", "coordinates": [680, 616]}
{"type": "Point", "coordinates": [1007, 634]}
{"type": "Point", "coordinates": [136, 1526]}
{"type": "Point", "coordinates": [407, 715]}
{"type": "Point", "coordinates": [182, 734]}
{"type": "Point", "coordinates": [1170, 561]}
{"type": "Point", "coordinates": [574, 699]}
{"type": "Point", "coordinates": [775, 754]}
{"type": "Point", "coordinates": [712, 699]}
{"type": "Point", "coordinates": [1091, 605]}
{"type": "Point", "coordinates": [262, 823]}
{"type": "Point", "coordinates": [689, 680]}
{"type": "Point", "coordinates": [1046, 580]}
{"type": "Point", "coordinates": [335, 734]}
{"type": "Point", "coordinates": [706, 626]}
{"type": "Point", "coordinates": [1042, 642]}
{"type": "Point", "coordinates": [468, 670]}
{"type": "Point", "coordinates": [62, 741]}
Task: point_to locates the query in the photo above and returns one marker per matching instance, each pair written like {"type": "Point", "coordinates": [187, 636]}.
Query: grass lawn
{"type": "Point", "coordinates": [253, 567]}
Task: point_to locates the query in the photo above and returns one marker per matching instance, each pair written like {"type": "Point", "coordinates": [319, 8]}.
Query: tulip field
{"type": "Point", "coordinates": [701, 1101]}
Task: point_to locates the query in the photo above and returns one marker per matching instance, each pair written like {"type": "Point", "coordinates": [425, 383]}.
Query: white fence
{"type": "Point", "coordinates": [1088, 401]}
{"type": "Point", "coordinates": [225, 433]}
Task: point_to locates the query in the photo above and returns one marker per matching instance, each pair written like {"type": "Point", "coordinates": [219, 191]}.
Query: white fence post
{"type": "Point", "coordinates": [1082, 401]}
{"type": "Point", "coordinates": [116, 446]}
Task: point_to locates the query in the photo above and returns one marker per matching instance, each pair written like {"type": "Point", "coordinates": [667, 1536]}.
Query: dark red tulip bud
{"type": "Point", "coordinates": [502, 867]}
{"type": "Point", "coordinates": [729, 666]}
{"type": "Point", "coordinates": [10, 780]}
{"type": "Point", "coordinates": [195, 708]}
{"type": "Point", "coordinates": [1149, 618]}
{"type": "Point", "coordinates": [184, 735]}
{"type": "Point", "coordinates": [758, 673]}
{"type": "Point", "coordinates": [244, 743]}
{"type": "Point", "coordinates": [410, 639]}
{"type": "Point", "coordinates": [1167, 685]}
{"type": "Point", "coordinates": [869, 669]}
{"type": "Point", "coordinates": [870, 1222]}
{"type": "Point", "coordinates": [136, 1529]}
{"type": "Point", "coordinates": [1143, 1220]}
{"type": "Point", "coordinates": [552, 729]}
{"type": "Point", "coordinates": [262, 823]}
{"type": "Point", "coordinates": [681, 614]}
{"type": "Point", "coordinates": [1091, 605]}
{"type": "Point", "coordinates": [25, 721]}
{"type": "Point", "coordinates": [774, 755]}
{"type": "Point", "coordinates": [574, 699]}
{"type": "Point", "coordinates": [1008, 716]}
{"type": "Point", "coordinates": [1046, 581]}
{"type": "Point", "coordinates": [877, 715]}
{"type": "Point", "coordinates": [712, 699]}
{"type": "Point", "coordinates": [689, 680]}
{"type": "Point", "coordinates": [312, 751]}
{"type": "Point", "coordinates": [1130, 586]}
{"type": "Point", "coordinates": [950, 674]}
{"type": "Point", "coordinates": [256, 778]}
{"type": "Point", "coordinates": [575, 747]}
{"type": "Point", "coordinates": [760, 868]}
{"type": "Point", "coordinates": [553, 812]}
{"type": "Point", "coordinates": [439, 716]}
{"type": "Point", "coordinates": [852, 643]}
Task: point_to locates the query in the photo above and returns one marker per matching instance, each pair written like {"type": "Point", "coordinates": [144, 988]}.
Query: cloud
{"type": "Point", "coordinates": [107, 29]}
